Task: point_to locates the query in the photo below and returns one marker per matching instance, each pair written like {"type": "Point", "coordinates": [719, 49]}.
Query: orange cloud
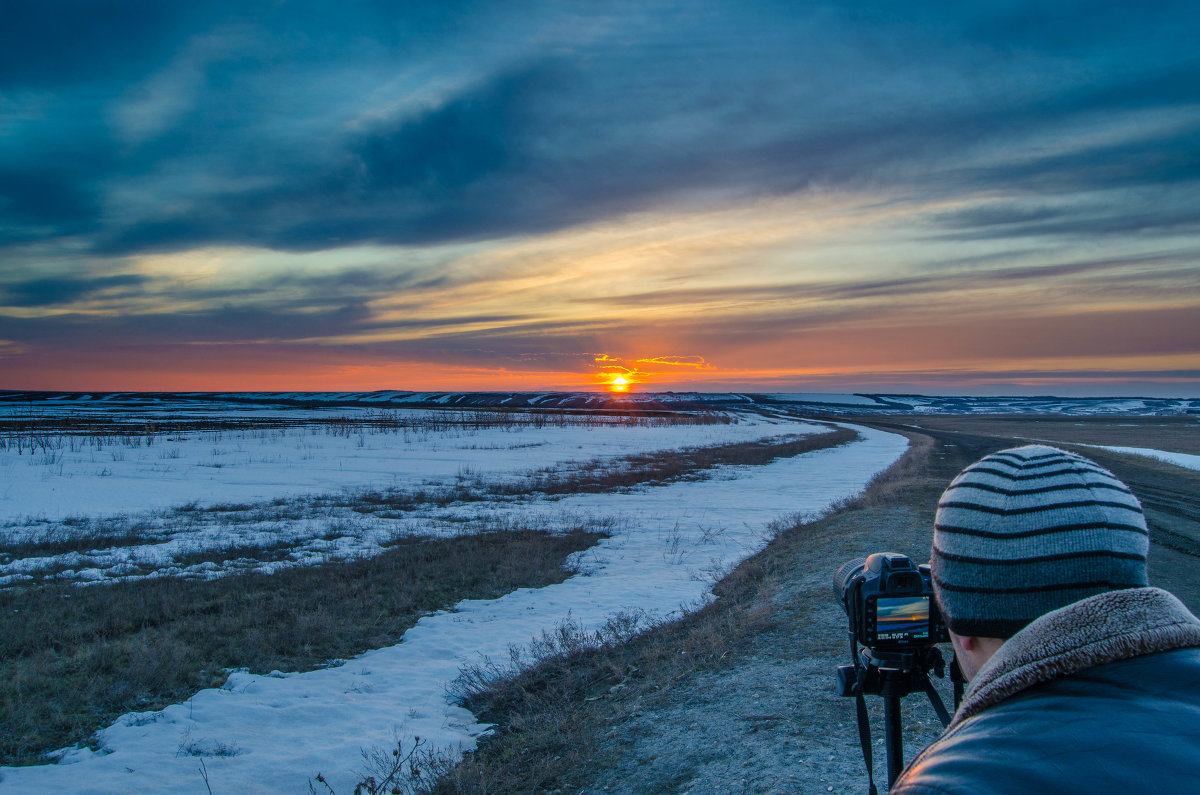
{"type": "Point", "coordinates": [678, 361]}
{"type": "Point", "coordinates": [618, 374]}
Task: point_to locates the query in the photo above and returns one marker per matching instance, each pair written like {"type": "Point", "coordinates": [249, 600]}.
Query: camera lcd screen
{"type": "Point", "coordinates": [899, 618]}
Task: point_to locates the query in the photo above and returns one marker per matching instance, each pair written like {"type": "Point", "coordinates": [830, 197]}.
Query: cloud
{"type": "Point", "coordinates": [166, 97]}
{"type": "Point", "coordinates": [677, 361]}
{"type": "Point", "coordinates": [509, 157]}
{"type": "Point", "coordinates": [350, 324]}
{"type": "Point", "coordinates": [84, 41]}
{"type": "Point", "coordinates": [1144, 159]}
{"type": "Point", "coordinates": [475, 135]}
{"type": "Point", "coordinates": [719, 102]}
{"type": "Point", "coordinates": [814, 299]}
{"type": "Point", "coordinates": [296, 289]}
{"type": "Point", "coordinates": [36, 198]}
{"type": "Point", "coordinates": [997, 214]}
{"type": "Point", "coordinates": [51, 291]}
{"type": "Point", "coordinates": [12, 348]}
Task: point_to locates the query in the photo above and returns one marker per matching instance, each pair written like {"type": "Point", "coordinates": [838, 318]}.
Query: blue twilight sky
{"type": "Point", "coordinates": [944, 197]}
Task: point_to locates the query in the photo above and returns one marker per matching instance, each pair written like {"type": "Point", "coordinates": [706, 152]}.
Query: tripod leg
{"type": "Point", "coordinates": [892, 737]}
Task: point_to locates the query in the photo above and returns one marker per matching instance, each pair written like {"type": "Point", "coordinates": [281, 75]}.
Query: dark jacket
{"type": "Point", "coordinates": [1102, 696]}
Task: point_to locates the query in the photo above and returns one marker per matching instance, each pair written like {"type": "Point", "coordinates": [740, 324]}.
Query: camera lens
{"type": "Point", "coordinates": [845, 575]}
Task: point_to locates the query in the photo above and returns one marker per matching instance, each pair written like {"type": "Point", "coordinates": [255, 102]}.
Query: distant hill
{"type": "Point", "coordinates": [807, 402]}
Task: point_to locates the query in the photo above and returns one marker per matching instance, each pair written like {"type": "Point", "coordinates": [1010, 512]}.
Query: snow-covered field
{"type": "Point", "coordinates": [104, 484]}
{"type": "Point", "coordinates": [275, 732]}
{"type": "Point", "coordinates": [130, 472]}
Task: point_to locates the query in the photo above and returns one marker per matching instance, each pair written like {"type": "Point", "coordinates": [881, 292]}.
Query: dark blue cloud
{"type": "Point", "coordinates": [50, 291]}
{"type": "Point", "coordinates": [1081, 27]}
{"type": "Point", "coordinates": [1109, 223]}
{"type": "Point", "coordinates": [43, 196]}
{"type": "Point", "coordinates": [478, 134]}
{"type": "Point", "coordinates": [1152, 159]}
{"type": "Point", "coordinates": [52, 43]}
{"type": "Point", "coordinates": [459, 171]}
{"type": "Point", "coordinates": [563, 115]}
{"type": "Point", "coordinates": [264, 325]}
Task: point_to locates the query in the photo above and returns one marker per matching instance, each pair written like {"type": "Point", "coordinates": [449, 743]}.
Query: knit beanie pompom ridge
{"type": "Point", "coordinates": [1029, 530]}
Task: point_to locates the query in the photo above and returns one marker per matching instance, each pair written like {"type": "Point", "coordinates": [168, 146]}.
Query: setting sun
{"type": "Point", "coordinates": [619, 383]}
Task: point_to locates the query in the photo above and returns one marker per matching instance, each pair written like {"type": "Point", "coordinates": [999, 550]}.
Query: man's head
{"type": "Point", "coordinates": [1026, 531]}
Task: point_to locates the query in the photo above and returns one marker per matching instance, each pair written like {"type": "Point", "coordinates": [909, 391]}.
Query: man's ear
{"type": "Point", "coordinates": [968, 642]}
{"type": "Point", "coordinates": [972, 652]}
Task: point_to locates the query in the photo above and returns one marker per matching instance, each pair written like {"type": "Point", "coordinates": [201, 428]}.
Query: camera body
{"type": "Point", "coordinates": [894, 628]}
{"type": "Point", "coordinates": [889, 601]}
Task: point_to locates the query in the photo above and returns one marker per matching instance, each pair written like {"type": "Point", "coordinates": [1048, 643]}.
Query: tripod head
{"type": "Point", "coordinates": [893, 674]}
{"type": "Point", "coordinates": [882, 673]}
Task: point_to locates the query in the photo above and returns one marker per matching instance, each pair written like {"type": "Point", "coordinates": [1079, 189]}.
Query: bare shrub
{"type": "Point", "coordinates": [189, 746]}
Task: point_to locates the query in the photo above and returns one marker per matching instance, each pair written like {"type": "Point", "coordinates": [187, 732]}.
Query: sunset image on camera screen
{"type": "Point", "coordinates": [902, 617]}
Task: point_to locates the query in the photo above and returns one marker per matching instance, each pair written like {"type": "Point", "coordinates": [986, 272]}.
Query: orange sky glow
{"type": "Point", "coordinates": [565, 197]}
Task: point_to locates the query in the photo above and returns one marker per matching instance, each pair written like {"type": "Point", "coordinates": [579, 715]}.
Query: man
{"type": "Point", "coordinates": [1082, 679]}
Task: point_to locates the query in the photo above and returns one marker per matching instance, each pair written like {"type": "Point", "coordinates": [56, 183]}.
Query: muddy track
{"type": "Point", "coordinates": [1171, 500]}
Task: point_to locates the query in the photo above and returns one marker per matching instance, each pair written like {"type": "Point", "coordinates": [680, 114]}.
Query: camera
{"type": "Point", "coordinates": [893, 615]}
{"type": "Point", "coordinates": [889, 602]}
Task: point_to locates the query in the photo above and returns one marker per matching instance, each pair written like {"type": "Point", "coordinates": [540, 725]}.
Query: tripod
{"type": "Point", "coordinates": [893, 675]}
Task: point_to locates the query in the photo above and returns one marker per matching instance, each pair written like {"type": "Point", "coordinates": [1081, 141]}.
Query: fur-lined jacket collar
{"type": "Point", "coordinates": [1095, 631]}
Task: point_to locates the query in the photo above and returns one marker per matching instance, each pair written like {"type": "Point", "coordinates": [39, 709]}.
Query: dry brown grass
{"type": "Point", "coordinates": [73, 659]}
{"type": "Point", "coordinates": [655, 468]}
{"type": "Point", "coordinates": [133, 427]}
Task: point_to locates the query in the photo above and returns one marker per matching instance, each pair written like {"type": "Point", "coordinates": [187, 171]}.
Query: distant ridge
{"type": "Point", "coordinates": [816, 403]}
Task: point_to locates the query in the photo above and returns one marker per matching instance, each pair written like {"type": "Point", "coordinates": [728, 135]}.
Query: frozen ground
{"type": "Point", "coordinates": [273, 733]}
{"type": "Point", "coordinates": [128, 471]}
{"type": "Point", "coordinates": [294, 487]}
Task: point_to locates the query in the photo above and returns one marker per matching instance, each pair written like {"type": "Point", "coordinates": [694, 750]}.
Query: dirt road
{"type": "Point", "coordinates": [770, 722]}
{"type": "Point", "coordinates": [759, 714]}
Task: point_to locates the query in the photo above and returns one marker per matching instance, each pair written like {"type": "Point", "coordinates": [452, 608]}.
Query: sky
{"type": "Point", "coordinates": [983, 198]}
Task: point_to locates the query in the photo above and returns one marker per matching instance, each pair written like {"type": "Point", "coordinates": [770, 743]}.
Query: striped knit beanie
{"type": "Point", "coordinates": [1029, 530]}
